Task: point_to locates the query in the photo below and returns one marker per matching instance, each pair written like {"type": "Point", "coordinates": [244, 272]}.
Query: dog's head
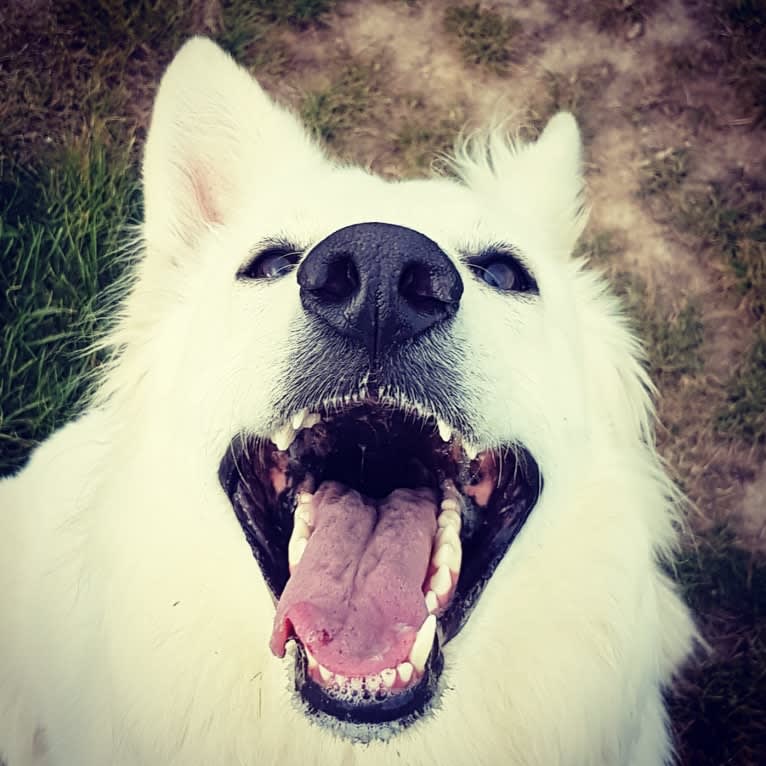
{"type": "Point", "coordinates": [391, 382]}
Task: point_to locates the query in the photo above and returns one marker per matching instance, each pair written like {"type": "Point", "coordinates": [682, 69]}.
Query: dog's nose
{"type": "Point", "coordinates": [379, 284]}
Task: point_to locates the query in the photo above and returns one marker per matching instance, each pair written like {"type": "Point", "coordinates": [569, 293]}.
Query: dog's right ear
{"type": "Point", "coordinates": [214, 134]}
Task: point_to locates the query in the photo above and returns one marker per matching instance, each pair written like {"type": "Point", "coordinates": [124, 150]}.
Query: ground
{"type": "Point", "coordinates": [672, 101]}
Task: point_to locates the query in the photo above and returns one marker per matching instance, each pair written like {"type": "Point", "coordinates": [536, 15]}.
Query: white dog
{"type": "Point", "coordinates": [392, 431]}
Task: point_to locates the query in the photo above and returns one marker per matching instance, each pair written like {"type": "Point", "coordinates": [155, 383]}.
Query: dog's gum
{"type": "Point", "coordinates": [486, 471]}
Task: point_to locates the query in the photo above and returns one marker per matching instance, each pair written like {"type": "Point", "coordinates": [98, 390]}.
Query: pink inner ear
{"type": "Point", "coordinates": [204, 192]}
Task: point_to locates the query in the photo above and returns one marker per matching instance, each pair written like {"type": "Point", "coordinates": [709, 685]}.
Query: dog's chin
{"type": "Point", "coordinates": [376, 529]}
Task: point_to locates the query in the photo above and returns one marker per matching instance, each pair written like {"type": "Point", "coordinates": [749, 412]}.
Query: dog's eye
{"type": "Point", "coordinates": [502, 271]}
{"type": "Point", "coordinates": [271, 263]}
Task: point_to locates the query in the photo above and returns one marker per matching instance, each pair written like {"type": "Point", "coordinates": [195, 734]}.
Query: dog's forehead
{"type": "Point", "coordinates": [441, 209]}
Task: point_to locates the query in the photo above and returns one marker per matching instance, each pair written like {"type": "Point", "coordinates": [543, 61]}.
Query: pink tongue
{"type": "Point", "coordinates": [355, 598]}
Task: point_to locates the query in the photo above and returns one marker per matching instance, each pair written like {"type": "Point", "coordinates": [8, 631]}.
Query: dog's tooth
{"type": "Point", "coordinates": [312, 419]}
{"type": "Point", "coordinates": [441, 581]}
{"type": "Point", "coordinates": [325, 673]}
{"type": "Point", "coordinates": [295, 550]}
{"type": "Point", "coordinates": [447, 534]}
{"type": "Point", "coordinates": [471, 450]}
{"type": "Point", "coordinates": [404, 671]}
{"type": "Point", "coordinates": [445, 432]}
{"type": "Point", "coordinates": [423, 642]}
{"type": "Point", "coordinates": [304, 513]}
{"type": "Point", "coordinates": [432, 602]}
{"type": "Point", "coordinates": [452, 500]}
{"type": "Point", "coordinates": [449, 518]}
{"type": "Point", "coordinates": [300, 528]}
{"type": "Point", "coordinates": [388, 676]}
{"type": "Point", "coordinates": [312, 661]}
{"type": "Point", "coordinates": [457, 559]}
{"type": "Point", "coordinates": [446, 546]}
{"type": "Point", "coordinates": [283, 437]}
{"type": "Point", "coordinates": [298, 419]}
{"type": "Point", "coordinates": [448, 550]}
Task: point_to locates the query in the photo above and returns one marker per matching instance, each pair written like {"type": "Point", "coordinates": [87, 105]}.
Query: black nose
{"type": "Point", "coordinates": [379, 284]}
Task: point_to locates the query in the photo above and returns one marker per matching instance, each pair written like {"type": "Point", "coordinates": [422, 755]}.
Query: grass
{"type": "Point", "coordinates": [57, 225]}
{"type": "Point", "coordinates": [337, 108]}
{"type": "Point", "coordinates": [133, 22]}
{"type": "Point", "coordinates": [352, 111]}
{"type": "Point", "coordinates": [251, 30]}
{"type": "Point", "coordinates": [602, 248]}
{"type": "Point", "coordinates": [672, 337]}
{"type": "Point", "coordinates": [419, 143]}
{"type": "Point", "coordinates": [727, 222]}
{"type": "Point", "coordinates": [743, 415]}
{"type": "Point", "coordinates": [740, 27]}
{"type": "Point", "coordinates": [664, 172]}
{"type": "Point", "coordinates": [618, 15]}
{"type": "Point", "coordinates": [719, 706]}
{"type": "Point", "coordinates": [573, 92]}
{"type": "Point", "coordinates": [485, 37]}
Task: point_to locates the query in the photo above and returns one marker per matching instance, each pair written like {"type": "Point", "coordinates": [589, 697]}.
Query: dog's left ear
{"type": "Point", "coordinates": [214, 136]}
{"type": "Point", "coordinates": [554, 161]}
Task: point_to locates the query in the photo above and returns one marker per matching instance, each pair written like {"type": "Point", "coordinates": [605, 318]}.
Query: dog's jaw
{"type": "Point", "coordinates": [473, 505]}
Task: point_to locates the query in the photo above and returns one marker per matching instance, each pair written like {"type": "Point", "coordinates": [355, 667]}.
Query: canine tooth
{"type": "Point", "coordinates": [298, 419]}
{"type": "Point", "coordinates": [449, 536]}
{"type": "Point", "coordinates": [405, 671]}
{"type": "Point", "coordinates": [449, 555]}
{"type": "Point", "coordinates": [312, 660]}
{"type": "Point", "coordinates": [448, 550]}
{"type": "Point", "coordinates": [445, 432]}
{"type": "Point", "coordinates": [325, 673]}
{"type": "Point", "coordinates": [449, 518]}
{"type": "Point", "coordinates": [283, 437]}
{"type": "Point", "coordinates": [471, 450]}
{"type": "Point", "coordinates": [295, 550]}
{"type": "Point", "coordinates": [300, 528]}
{"type": "Point", "coordinates": [303, 512]}
{"type": "Point", "coordinates": [441, 581]}
{"type": "Point", "coordinates": [432, 602]}
{"type": "Point", "coordinates": [422, 646]}
{"type": "Point", "coordinates": [312, 419]}
{"type": "Point", "coordinates": [388, 676]}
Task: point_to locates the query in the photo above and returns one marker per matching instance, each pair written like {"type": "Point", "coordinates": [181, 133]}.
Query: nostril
{"type": "Point", "coordinates": [418, 287]}
{"type": "Point", "coordinates": [341, 280]}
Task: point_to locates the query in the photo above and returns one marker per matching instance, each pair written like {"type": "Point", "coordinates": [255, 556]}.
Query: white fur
{"type": "Point", "coordinates": [134, 620]}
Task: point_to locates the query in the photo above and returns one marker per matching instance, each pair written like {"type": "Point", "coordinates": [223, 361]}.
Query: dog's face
{"type": "Point", "coordinates": [371, 400]}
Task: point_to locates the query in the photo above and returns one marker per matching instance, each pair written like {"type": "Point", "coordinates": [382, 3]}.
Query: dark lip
{"type": "Point", "coordinates": [267, 519]}
{"type": "Point", "coordinates": [404, 707]}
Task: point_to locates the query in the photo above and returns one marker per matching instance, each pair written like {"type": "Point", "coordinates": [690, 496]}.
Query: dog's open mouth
{"type": "Point", "coordinates": [376, 530]}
